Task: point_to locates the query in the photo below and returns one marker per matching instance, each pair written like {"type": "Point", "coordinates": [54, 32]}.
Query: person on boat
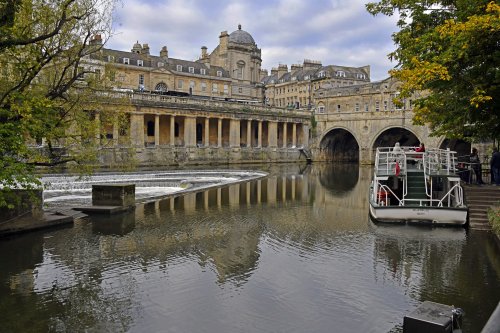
{"type": "Point", "coordinates": [420, 149]}
{"type": "Point", "coordinates": [476, 166]}
{"type": "Point", "coordinates": [495, 166]}
{"type": "Point", "coordinates": [397, 148]}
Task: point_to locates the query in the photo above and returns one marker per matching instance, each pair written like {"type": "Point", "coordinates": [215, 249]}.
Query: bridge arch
{"type": "Point", "coordinates": [339, 144]}
{"type": "Point", "coordinates": [388, 136]}
{"type": "Point", "coordinates": [463, 148]}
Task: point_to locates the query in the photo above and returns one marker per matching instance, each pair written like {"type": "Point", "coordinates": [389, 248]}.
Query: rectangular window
{"type": "Point", "coordinates": [203, 86]}
{"type": "Point", "coordinates": [140, 63]}
{"type": "Point", "coordinates": [179, 68]}
{"type": "Point", "coordinates": [226, 89]}
{"type": "Point", "coordinates": [366, 108]}
{"type": "Point", "coordinates": [385, 105]}
{"type": "Point", "coordinates": [203, 71]}
{"type": "Point", "coordinates": [377, 106]}
{"type": "Point", "coordinates": [161, 64]}
{"type": "Point", "coordinates": [180, 84]}
{"type": "Point", "coordinates": [191, 84]}
{"type": "Point", "coordinates": [141, 79]}
{"type": "Point", "coordinates": [214, 87]}
{"type": "Point", "coordinates": [191, 69]}
{"type": "Point", "coordinates": [338, 107]}
{"type": "Point", "coordinates": [219, 73]}
{"type": "Point", "coordinates": [321, 109]}
{"type": "Point", "coordinates": [356, 107]}
{"type": "Point", "coordinates": [126, 61]}
{"type": "Point", "coordinates": [97, 73]}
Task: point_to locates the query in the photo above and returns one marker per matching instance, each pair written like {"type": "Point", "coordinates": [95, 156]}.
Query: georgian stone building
{"type": "Point", "coordinates": [380, 96]}
{"type": "Point", "coordinates": [231, 71]}
{"type": "Point", "coordinates": [295, 88]}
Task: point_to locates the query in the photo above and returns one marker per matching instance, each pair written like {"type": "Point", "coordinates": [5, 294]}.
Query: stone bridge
{"type": "Point", "coordinates": [354, 136]}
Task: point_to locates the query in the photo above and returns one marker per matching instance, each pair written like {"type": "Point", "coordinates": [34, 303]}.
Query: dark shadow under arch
{"type": "Point", "coordinates": [339, 145]}
{"type": "Point", "coordinates": [462, 147]}
{"type": "Point", "coordinates": [396, 134]}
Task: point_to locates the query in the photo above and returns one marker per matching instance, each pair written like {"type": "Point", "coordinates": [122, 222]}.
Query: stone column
{"type": "Point", "coordinates": [294, 135]}
{"type": "Point", "coordinates": [116, 133]}
{"type": "Point", "coordinates": [207, 132]}
{"type": "Point", "coordinates": [137, 130]}
{"type": "Point", "coordinates": [190, 131]}
{"type": "Point", "coordinates": [259, 138]}
{"type": "Point", "coordinates": [234, 133]}
{"type": "Point", "coordinates": [219, 132]}
{"type": "Point", "coordinates": [306, 136]}
{"type": "Point", "coordinates": [97, 122]}
{"type": "Point", "coordinates": [249, 133]}
{"type": "Point", "coordinates": [272, 134]}
{"type": "Point", "coordinates": [157, 130]}
{"type": "Point", "coordinates": [172, 130]}
{"type": "Point", "coordinates": [285, 134]}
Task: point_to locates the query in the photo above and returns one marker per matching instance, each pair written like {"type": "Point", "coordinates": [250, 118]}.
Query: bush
{"type": "Point", "coordinates": [494, 218]}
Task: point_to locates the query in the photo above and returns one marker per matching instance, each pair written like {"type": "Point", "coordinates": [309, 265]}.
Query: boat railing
{"type": "Point", "coordinates": [439, 161]}
{"type": "Point", "coordinates": [448, 196]}
{"type": "Point", "coordinates": [387, 161]}
{"type": "Point", "coordinates": [383, 189]}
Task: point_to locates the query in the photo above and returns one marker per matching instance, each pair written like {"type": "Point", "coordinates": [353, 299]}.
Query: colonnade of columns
{"type": "Point", "coordinates": [153, 130]}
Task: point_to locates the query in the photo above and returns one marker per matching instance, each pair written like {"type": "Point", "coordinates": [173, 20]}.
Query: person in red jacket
{"type": "Point", "coordinates": [420, 148]}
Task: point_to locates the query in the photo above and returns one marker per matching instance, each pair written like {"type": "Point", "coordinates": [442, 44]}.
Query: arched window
{"type": "Point", "coordinates": [161, 87]}
{"type": "Point", "coordinates": [240, 70]}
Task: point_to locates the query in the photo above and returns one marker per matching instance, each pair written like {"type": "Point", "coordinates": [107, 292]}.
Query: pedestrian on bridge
{"type": "Point", "coordinates": [495, 166]}
{"type": "Point", "coordinates": [476, 166]}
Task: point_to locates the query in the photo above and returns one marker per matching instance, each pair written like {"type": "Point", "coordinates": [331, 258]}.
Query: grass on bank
{"type": "Point", "coordinates": [494, 218]}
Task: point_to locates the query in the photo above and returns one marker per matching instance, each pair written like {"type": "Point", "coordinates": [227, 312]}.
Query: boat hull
{"type": "Point", "coordinates": [420, 215]}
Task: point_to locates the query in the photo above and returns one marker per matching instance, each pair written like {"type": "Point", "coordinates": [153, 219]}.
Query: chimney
{"type": "Point", "coordinates": [204, 52]}
{"type": "Point", "coordinates": [145, 49]}
{"type": "Point", "coordinates": [223, 40]}
{"type": "Point", "coordinates": [282, 70]}
{"type": "Point", "coordinates": [263, 74]}
{"type": "Point", "coordinates": [164, 52]}
{"type": "Point", "coordinates": [296, 67]}
{"type": "Point", "coordinates": [274, 71]}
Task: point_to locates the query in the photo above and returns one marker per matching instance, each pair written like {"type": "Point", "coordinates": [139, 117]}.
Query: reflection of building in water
{"type": "Point", "coordinates": [411, 254]}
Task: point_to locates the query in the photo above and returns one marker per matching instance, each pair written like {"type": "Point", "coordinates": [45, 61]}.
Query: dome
{"type": "Point", "coordinates": [241, 37]}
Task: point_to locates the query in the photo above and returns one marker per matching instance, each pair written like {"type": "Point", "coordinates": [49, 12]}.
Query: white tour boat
{"type": "Point", "coordinates": [415, 187]}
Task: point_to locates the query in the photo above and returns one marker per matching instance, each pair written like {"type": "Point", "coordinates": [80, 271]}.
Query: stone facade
{"type": "Point", "coordinates": [295, 88]}
{"type": "Point", "coordinates": [223, 108]}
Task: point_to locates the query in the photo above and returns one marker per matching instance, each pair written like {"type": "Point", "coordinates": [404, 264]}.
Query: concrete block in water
{"type": "Point", "coordinates": [113, 195]}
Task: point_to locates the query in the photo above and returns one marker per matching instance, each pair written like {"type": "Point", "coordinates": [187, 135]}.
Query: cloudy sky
{"type": "Point", "coordinates": [335, 32]}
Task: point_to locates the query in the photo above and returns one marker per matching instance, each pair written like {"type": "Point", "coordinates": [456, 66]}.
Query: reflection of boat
{"type": "Point", "coordinates": [417, 188]}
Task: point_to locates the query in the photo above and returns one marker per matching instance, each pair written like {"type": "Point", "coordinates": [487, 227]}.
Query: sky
{"type": "Point", "coordinates": [335, 32]}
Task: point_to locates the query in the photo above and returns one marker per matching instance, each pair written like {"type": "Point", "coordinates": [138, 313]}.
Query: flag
{"type": "Point", "coordinates": [397, 169]}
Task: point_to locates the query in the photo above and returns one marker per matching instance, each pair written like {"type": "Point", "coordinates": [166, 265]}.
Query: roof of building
{"type": "Point", "coordinates": [241, 37]}
{"type": "Point", "coordinates": [158, 62]}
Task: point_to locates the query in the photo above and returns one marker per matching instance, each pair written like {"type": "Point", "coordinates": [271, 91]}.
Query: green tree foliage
{"type": "Point", "coordinates": [450, 49]}
{"type": "Point", "coordinates": [45, 86]}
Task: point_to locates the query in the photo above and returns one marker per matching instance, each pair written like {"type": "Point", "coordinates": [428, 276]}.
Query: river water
{"type": "Point", "coordinates": [293, 252]}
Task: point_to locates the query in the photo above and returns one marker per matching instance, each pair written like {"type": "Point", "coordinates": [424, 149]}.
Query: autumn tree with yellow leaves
{"type": "Point", "coordinates": [451, 50]}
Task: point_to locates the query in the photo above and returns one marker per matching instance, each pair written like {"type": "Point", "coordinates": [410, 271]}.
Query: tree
{"type": "Point", "coordinates": [450, 49]}
{"type": "Point", "coordinates": [45, 87]}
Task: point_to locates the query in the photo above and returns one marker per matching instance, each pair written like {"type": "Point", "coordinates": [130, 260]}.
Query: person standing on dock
{"type": "Point", "coordinates": [495, 166]}
{"type": "Point", "coordinates": [476, 166]}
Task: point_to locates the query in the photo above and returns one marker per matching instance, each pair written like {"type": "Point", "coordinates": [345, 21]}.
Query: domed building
{"type": "Point", "coordinates": [239, 55]}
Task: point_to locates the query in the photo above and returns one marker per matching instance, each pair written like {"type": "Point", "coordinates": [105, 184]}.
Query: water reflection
{"type": "Point", "coordinates": [292, 252]}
